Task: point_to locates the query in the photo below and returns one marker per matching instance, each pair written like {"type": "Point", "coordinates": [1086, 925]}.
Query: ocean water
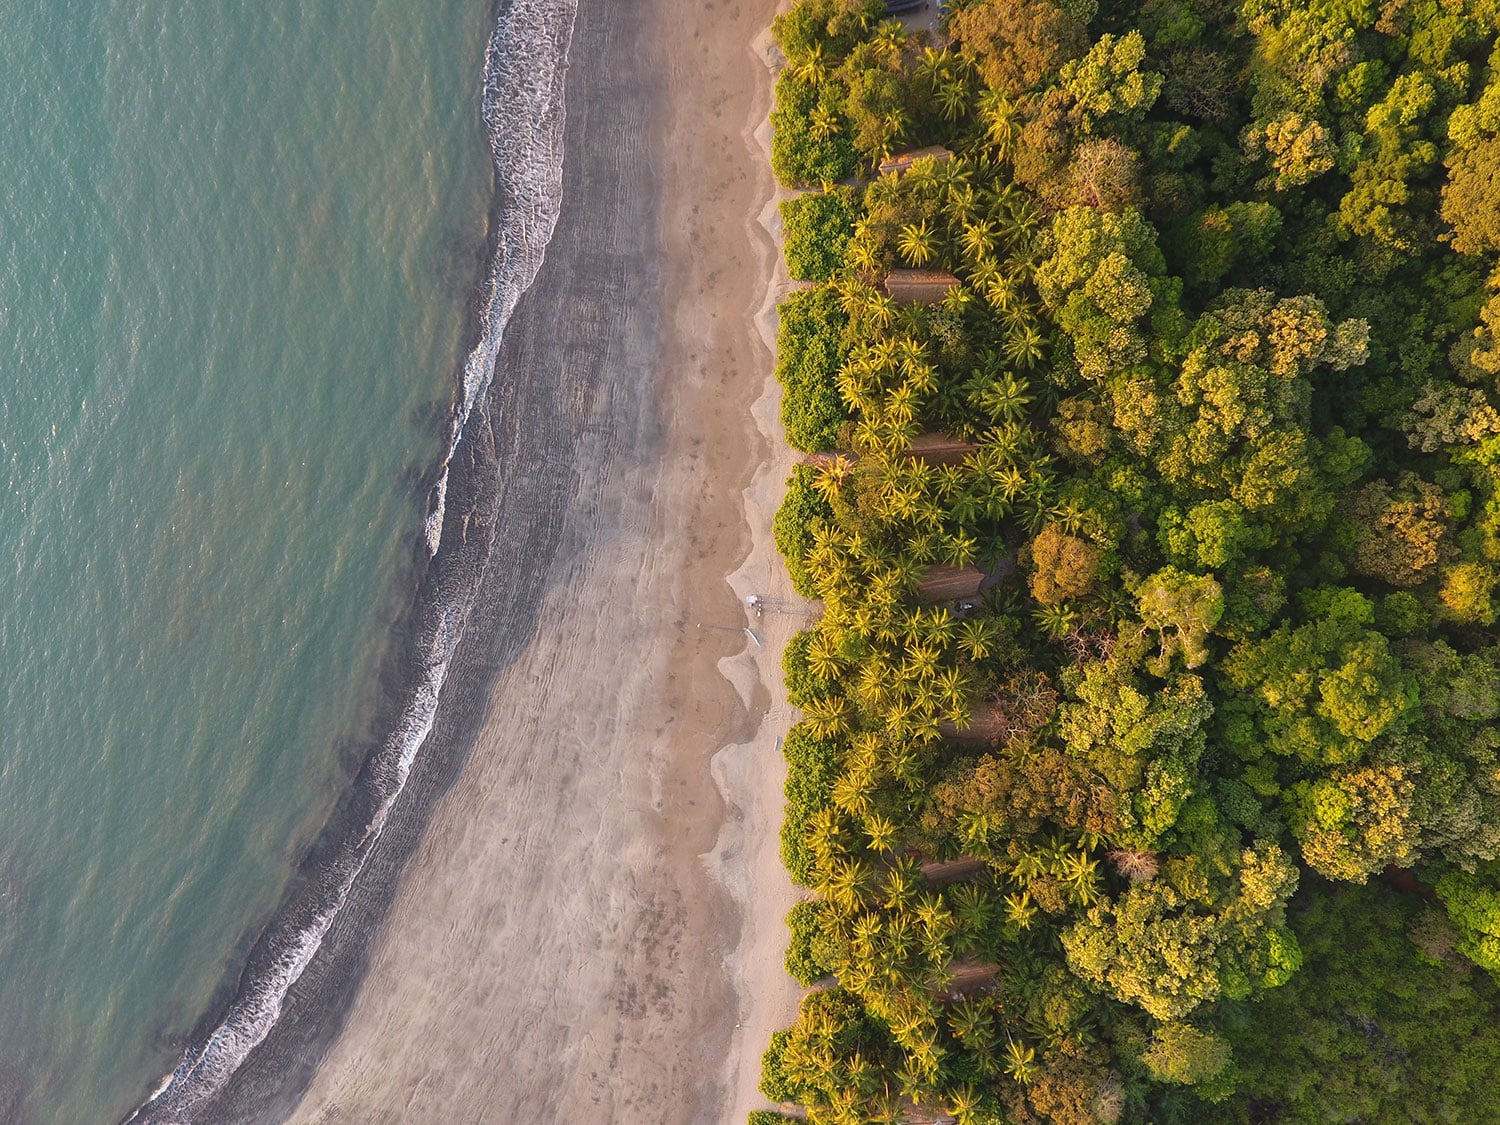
{"type": "Point", "coordinates": [238, 243]}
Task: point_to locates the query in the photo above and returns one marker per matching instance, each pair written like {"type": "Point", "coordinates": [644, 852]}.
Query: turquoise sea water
{"type": "Point", "coordinates": [236, 245]}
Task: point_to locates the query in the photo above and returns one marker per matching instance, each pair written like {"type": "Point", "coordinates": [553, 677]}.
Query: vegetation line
{"type": "Point", "coordinates": [1148, 767]}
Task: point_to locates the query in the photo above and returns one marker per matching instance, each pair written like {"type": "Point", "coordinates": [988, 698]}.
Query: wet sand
{"type": "Point", "coordinates": [569, 940]}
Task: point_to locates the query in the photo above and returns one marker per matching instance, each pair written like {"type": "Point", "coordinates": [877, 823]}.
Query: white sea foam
{"type": "Point", "coordinates": [524, 111]}
{"type": "Point", "coordinates": [525, 70]}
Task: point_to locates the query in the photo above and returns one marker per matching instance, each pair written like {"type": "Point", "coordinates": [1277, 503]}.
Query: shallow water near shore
{"type": "Point", "coordinates": [237, 247]}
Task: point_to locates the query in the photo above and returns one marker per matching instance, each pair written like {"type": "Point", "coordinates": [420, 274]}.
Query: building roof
{"type": "Point", "coordinates": [947, 583]}
{"type": "Point", "coordinates": [988, 722]}
{"type": "Point", "coordinates": [919, 287]}
{"type": "Point", "coordinates": [938, 449]}
{"type": "Point", "coordinates": [903, 161]}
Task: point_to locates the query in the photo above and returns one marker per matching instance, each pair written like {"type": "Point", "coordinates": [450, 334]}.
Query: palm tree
{"type": "Point", "coordinates": [863, 1076]}
{"type": "Point", "coordinates": [828, 716]}
{"type": "Point", "coordinates": [1010, 482]}
{"type": "Point", "coordinates": [963, 202]}
{"type": "Point", "coordinates": [1069, 517]}
{"type": "Point", "coordinates": [855, 296]}
{"type": "Point", "coordinates": [932, 64]}
{"type": "Point", "coordinates": [948, 481]}
{"type": "Point", "coordinates": [926, 730]}
{"type": "Point", "coordinates": [891, 37]}
{"type": "Point", "coordinates": [921, 378]}
{"type": "Point", "coordinates": [1034, 510]}
{"type": "Point", "coordinates": [960, 548]}
{"type": "Point", "coordinates": [914, 1084]}
{"type": "Point", "coordinates": [903, 764]}
{"type": "Point", "coordinates": [884, 1108]}
{"type": "Point", "coordinates": [1003, 294]}
{"type": "Point", "coordinates": [922, 658]}
{"type": "Point", "coordinates": [920, 181]}
{"type": "Point", "coordinates": [924, 547]}
{"type": "Point", "coordinates": [957, 299]}
{"type": "Point", "coordinates": [971, 1020]}
{"type": "Point", "coordinates": [933, 913]}
{"type": "Point", "coordinates": [899, 937]}
{"type": "Point", "coordinates": [1005, 398]}
{"type": "Point", "coordinates": [963, 1104]}
{"type": "Point", "coordinates": [1081, 874]}
{"type": "Point", "coordinates": [965, 508]}
{"type": "Point", "coordinates": [1025, 220]}
{"type": "Point", "coordinates": [1020, 1061]}
{"type": "Point", "coordinates": [863, 254]}
{"type": "Point", "coordinates": [926, 1055]}
{"type": "Point", "coordinates": [813, 68]}
{"type": "Point", "coordinates": [1020, 316]}
{"type": "Point", "coordinates": [861, 622]}
{"type": "Point", "coordinates": [874, 684]}
{"type": "Point", "coordinates": [901, 883]}
{"type": "Point", "coordinates": [849, 881]}
{"type": "Point", "coordinates": [1020, 910]}
{"type": "Point", "coordinates": [882, 832]}
{"type": "Point", "coordinates": [953, 690]}
{"type": "Point", "coordinates": [917, 242]}
{"type": "Point", "coordinates": [850, 793]}
{"type": "Point", "coordinates": [869, 434]}
{"type": "Point", "coordinates": [881, 310]}
{"type": "Point", "coordinates": [974, 828]}
{"type": "Point", "coordinates": [977, 636]}
{"type": "Point", "coordinates": [978, 240]}
{"type": "Point", "coordinates": [899, 717]}
{"type": "Point", "coordinates": [884, 355]}
{"type": "Point", "coordinates": [864, 751]}
{"type": "Point", "coordinates": [894, 123]}
{"type": "Point", "coordinates": [823, 123]}
{"type": "Point", "coordinates": [1025, 346]}
{"type": "Point", "coordinates": [1002, 122]}
{"type": "Point", "coordinates": [1056, 621]}
{"type": "Point", "coordinates": [953, 99]}
{"type": "Point", "coordinates": [910, 352]}
{"type": "Point", "coordinates": [835, 578]}
{"type": "Point", "coordinates": [823, 659]}
{"type": "Point", "coordinates": [825, 833]}
{"type": "Point", "coordinates": [831, 477]}
{"type": "Point", "coordinates": [984, 273]}
{"type": "Point", "coordinates": [858, 395]}
{"type": "Point", "coordinates": [865, 933]}
{"type": "Point", "coordinates": [971, 906]}
{"type": "Point", "coordinates": [938, 626]}
{"type": "Point", "coordinates": [904, 502]}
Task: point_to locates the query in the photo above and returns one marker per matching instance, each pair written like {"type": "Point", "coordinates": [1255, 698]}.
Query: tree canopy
{"type": "Point", "coordinates": [1192, 812]}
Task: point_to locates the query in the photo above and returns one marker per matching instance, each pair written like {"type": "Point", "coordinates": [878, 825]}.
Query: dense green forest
{"type": "Point", "coordinates": [1192, 813]}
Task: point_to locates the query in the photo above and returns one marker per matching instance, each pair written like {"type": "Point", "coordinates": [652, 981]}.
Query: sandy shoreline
{"type": "Point", "coordinates": [566, 941]}
{"type": "Point", "coordinates": [750, 775]}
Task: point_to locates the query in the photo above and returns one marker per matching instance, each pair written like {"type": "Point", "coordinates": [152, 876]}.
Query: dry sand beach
{"type": "Point", "coordinates": [570, 940]}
